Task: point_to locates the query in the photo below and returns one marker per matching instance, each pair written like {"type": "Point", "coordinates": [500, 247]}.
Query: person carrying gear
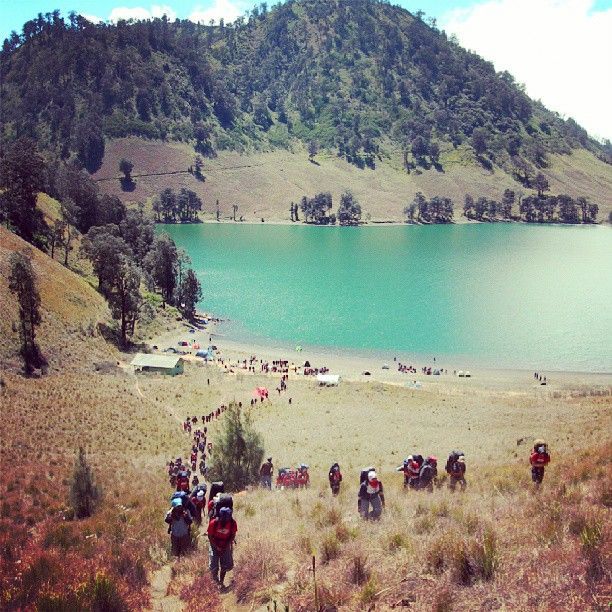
{"type": "Point", "coordinates": [221, 535]}
{"type": "Point", "coordinates": [179, 521]}
{"type": "Point", "coordinates": [265, 473]}
{"type": "Point", "coordinates": [182, 481]}
{"type": "Point", "coordinates": [302, 477]}
{"type": "Point", "coordinates": [428, 473]}
{"type": "Point", "coordinates": [371, 494]}
{"type": "Point", "coordinates": [539, 459]}
{"type": "Point", "coordinates": [335, 478]}
{"type": "Point", "coordinates": [455, 468]}
{"type": "Point", "coordinates": [411, 470]}
{"type": "Point", "coordinates": [199, 502]}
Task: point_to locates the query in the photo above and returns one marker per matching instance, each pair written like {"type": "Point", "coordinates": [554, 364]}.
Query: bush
{"type": "Point", "coordinates": [330, 547]}
{"type": "Point", "coordinates": [62, 537]}
{"type": "Point", "coordinates": [239, 452]}
{"type": "Point", "coordinates": [104, 595]}
{"type": "Point", "coordinates": [85, 495]}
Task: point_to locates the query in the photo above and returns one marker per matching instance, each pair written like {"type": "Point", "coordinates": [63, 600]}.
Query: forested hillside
{"type": "Point", "coordinates": [361, 78]}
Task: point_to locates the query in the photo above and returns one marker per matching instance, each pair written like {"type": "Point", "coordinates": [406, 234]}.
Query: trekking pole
{"type": "Point", "coordinates": [314, 579]}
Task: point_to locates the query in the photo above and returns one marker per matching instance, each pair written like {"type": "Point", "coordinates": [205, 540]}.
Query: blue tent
{"type": "Point", "coordinates": [204, 354]}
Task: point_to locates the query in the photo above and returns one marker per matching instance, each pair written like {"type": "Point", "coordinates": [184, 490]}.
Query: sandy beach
{"type": "Point", "coordinates": [352, 365]}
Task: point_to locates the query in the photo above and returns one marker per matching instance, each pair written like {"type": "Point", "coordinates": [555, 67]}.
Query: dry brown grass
{"type": "Point", "coordinates": [272, 180]}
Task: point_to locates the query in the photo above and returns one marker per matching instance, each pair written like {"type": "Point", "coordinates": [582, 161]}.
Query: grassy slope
{"type": "Point", "coordinates": [273, 180]}
{"type": "Point", "coordinates": [44, 420]}
{"type": "Point", "coordinates": [71, 310]}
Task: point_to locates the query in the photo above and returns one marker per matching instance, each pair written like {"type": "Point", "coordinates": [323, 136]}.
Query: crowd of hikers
{"type": "Point", "coordinates": [192, 500]}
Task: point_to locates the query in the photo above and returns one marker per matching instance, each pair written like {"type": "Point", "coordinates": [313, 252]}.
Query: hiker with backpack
{"type": "Point", "coordinates": [221, 534]}
{"type": "Point", "coordinates": [428, 474]}
{"type": "Point", "coordinates": [198, 499]}
{"type": "Point", "coordinates": [539, 459]}
{"type": "Point", "coordinates": [265, 473]}
{"type": "Point", "coordinates": [455, 468]}
{"type": "Point", "coordinates": [411, 470]}
{"type": "Point", "coordinates": [371, 493]}
{"type": "Point", "coordinates": [335, 478]}
{"type": "Point", "coordinates": [179, 521]}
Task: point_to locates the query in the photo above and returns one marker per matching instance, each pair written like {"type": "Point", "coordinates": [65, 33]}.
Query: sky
{"type": "Point", "coordinates": [561, 50]}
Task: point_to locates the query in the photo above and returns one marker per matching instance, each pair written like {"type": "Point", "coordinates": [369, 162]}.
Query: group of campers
{"type": "Point", "coordinates": [189, 501]}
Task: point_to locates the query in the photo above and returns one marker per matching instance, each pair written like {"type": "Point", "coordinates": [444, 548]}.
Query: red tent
{"type": "Point", "coordinates": [260, 392]}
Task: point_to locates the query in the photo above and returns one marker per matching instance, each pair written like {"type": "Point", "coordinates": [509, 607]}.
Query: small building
{"type": "Point", "coordinates": [158, 364]}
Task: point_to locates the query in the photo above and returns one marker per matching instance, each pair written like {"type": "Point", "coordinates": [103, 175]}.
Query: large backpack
{"type": "Point", "coordinates": [452, 459]}
{"type": "Point", "coordinates": [200, 487]}
{"type": "Point", "coordinates": [363, 476]}
{"type": "Point", "coordinates": [225, 501]}
{"type": "Point", "coordinates": [215, 487]}
{"type": "Point", "coordinates": [419, 459]}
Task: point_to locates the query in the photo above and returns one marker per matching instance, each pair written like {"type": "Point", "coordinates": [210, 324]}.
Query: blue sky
{"type": "Point", "coordinates": [14, 13]}
{"type": "Point", "coordinates": [560, 49]}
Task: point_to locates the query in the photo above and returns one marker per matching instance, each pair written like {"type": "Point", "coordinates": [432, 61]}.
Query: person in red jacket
{"type": "Point", "coordinates": [539, 459]}
{"type": "Point", "coordinates": [221, 535]}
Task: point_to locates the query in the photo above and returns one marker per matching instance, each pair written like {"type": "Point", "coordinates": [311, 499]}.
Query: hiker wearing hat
{"type": "Point", "coordinates": [539, 459]}
{"type": "Point", "coordinates": [179, 522]}
{"type": "Point", "coordinates": [371, 494]}
{"type": "Point", "coordinates": [411, 470]}
{"type": "Point", "coordinates": [455, 468]}
{"type": "Point", "coordinates": [221, 535]}
{"type": "Point", "coordinates": [428, 473]}
{"type": "Point", "coordinates": [199, 502]}
{"type": "Point", "coordinates": [265, 473]}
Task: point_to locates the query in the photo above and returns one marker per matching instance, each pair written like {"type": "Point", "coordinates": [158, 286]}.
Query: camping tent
{"type": "Point", "coordinates": [260, 392]}
{"type": "Point", "coordinates": [328, 380]}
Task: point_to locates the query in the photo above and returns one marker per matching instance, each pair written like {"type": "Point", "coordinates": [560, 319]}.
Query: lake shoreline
{"type": "Point", "coordinates": [384, 223]}
{"type": "Point", "coordinates": [352, 365]}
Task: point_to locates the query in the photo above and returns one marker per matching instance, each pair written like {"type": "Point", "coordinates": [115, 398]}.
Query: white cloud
{"type": "Point", "coordinates": [221, 9]}
{"type": "Point", "coordinates": [560, 50]}
{"type": "Point", "coordinates": [92, 18]}
{"type": "Point", "coordinates": [139, 12]}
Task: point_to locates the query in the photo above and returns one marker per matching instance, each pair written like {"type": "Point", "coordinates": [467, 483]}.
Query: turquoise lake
{"type": "Point", "coordinates": [503, 295]}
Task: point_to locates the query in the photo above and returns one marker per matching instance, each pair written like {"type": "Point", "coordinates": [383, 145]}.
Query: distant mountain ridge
{"type": "Point", "coordinates": [361, 78]}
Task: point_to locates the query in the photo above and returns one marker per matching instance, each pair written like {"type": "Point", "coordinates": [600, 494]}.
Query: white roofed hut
{"type": "Point", "coordinates": [158, 364]}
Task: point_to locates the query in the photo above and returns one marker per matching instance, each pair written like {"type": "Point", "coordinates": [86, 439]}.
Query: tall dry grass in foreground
{"type": "Point", "coordinates": [482, 549]}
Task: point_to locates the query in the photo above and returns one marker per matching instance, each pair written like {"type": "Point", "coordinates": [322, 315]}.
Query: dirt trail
{"type": "Point", "coordinates": [160, 600]}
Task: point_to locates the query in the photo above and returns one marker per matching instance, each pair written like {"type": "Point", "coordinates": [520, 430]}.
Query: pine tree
{"type": "Point", "coordinates": [85, 494]}
{"type": "Point", "coordinates": [190, 293]}
{"type": "Point", "coordinates": [22, 282]}
{"type": "Point", "coordinates": [239, 452]}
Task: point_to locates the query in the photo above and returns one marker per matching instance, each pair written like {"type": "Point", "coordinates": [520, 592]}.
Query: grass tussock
{"type": "Point", "coordinates": [262, 565]}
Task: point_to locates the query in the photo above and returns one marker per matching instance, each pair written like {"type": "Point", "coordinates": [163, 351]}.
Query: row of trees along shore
{"type": "Point", "coordinates": [533, 208]}
{"type": "Point", "coordinates": [317, 210]}
{"type": "Point", "coordinates": [126, 255]}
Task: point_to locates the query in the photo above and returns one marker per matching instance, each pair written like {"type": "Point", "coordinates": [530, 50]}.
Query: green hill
{"type": "Point", "coordinates": [369, 83]}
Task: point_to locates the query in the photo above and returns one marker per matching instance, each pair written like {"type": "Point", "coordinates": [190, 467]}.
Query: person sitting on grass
{"type": "Point", "coordinates": [539, 459]}
{"type": "Point", "coordinates": [179, 526]}
{"type": "Point", "coordinates": [221, 535]}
